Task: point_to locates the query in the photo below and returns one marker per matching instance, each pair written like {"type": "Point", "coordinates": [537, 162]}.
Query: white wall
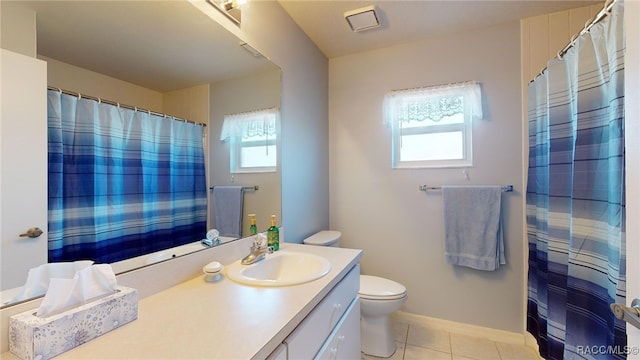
{"type": "Point", "coordinates": [304, 110]}
{"type": "Point", "coordinates": [77, 79]}
{"type": "Point", "coordinates": [382, 211]}
{"type": "Point", "coordinates": [305, 133]}
{"type": "Point", "coordinates": [191, 103]}
{"type": "Point", "coordinates": [19, 25]}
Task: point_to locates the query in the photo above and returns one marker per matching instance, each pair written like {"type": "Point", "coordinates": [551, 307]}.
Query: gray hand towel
{"type": "Point", "coordinates": [473, 226]}
{"type": "Point", "coordinates": [227, 207]}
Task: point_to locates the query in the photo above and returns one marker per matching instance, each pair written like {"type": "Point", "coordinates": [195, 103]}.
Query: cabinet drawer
{"type": "Point", "coordinates": [305, 341]}
{"type": "Point", "coordinates": [344, 341]}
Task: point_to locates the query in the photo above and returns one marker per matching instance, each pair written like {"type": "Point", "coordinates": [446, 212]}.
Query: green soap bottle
{"type": "Point", "coordinates": [273, 235]}
{"type": "Point", "coordinates": [253, 229]}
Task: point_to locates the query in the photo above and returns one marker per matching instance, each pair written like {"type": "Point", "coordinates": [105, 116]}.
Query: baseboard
{"type": "Point", "coordinates": [496, 335]}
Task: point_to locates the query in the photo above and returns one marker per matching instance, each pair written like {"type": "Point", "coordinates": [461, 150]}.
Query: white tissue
{"type": "Point", "coordinates": [38, 277]}
{"type": "Point", "coordinates": [261, 240]}
{"type": "Point", "coordinates": [89, 283]}
{"type": "Point", "coordinates": [213, 234]}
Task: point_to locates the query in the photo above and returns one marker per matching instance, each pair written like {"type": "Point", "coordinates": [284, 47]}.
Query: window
{"type": "Point", "coordinates": [431, 127]}
{"type": "Point", "coordinates": [252, 140]}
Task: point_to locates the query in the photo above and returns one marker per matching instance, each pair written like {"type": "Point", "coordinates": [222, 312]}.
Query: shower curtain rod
{"type": "Point", "coordinates": [606, 10]}
{"type": "Point", "coordinates": [115, 103]}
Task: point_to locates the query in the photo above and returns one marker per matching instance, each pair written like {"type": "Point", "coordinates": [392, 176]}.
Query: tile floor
{"type": "Point", "coordinates": [418, 343]}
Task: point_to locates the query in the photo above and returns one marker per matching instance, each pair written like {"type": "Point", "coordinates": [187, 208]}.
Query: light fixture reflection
{"type": "Point", "coordinates": [230, 8]}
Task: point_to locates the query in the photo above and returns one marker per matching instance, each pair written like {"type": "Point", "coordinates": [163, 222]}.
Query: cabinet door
{"type": "Point", "coordinates": [23, 165]}
{"type": "Point", "coordinates": [305, 341]}
{"type": "Point", "coordinates": [344, 341]}
{"type": "Point", "coordinates": [280, 353]}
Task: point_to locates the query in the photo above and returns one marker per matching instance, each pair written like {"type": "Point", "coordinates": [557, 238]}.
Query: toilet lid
{"type": "Point", "coordinates": [323, 238]}
{"type": "Point", "coordinates": [377, 288]}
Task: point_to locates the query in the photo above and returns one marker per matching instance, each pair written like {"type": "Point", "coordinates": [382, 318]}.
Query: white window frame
{"type": "Point", "coordinates": [235, 151]}
{"type": "Point", "coordinates": [396, 106]}
{"type": "Point", "coordinates": [239, 129]}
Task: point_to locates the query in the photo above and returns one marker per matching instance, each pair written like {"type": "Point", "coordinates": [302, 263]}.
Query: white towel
{"type": "Point", "coordinates": [473, 226]}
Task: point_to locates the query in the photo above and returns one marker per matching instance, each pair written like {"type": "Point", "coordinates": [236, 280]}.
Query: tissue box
{"type": "Point", "coordinates": [33, 337]}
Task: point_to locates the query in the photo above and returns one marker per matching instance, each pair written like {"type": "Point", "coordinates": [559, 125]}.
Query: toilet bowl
{"type": "Point", "coordinates": [379, 297]}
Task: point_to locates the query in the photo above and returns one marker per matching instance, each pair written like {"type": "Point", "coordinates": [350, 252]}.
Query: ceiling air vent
{"type": "Point", "coordinates": [363, 19]}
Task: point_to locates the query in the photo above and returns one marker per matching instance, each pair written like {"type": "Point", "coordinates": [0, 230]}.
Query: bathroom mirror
{"type": "Point", "coordinates": [170, 49]}
{"type": "Point", "coordinates": [229, 8]}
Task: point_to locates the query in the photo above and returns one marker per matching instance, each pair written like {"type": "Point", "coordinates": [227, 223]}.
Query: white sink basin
{"type": "Point", "coordinates": [282, 268]}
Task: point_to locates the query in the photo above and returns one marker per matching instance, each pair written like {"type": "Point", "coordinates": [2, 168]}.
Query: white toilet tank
{"type": "Point", "coordinates": [324, 238]}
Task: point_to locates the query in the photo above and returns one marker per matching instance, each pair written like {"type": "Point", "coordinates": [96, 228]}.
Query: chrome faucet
{"type": "Point", "coordinates": [259, 249]}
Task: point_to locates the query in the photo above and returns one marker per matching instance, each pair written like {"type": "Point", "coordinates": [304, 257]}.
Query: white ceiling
{"type": "Point", "coordinates": [406, 21]}
{"type": "Point", "coordinates": [161, 45]}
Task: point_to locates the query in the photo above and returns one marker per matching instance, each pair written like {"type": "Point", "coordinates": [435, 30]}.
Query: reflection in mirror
{"type": "Point", "coordinates": [230, 8]}
{"type": "Point", "coordinates": [167, 57]}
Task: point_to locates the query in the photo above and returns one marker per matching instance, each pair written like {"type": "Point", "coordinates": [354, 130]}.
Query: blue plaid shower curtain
{"type": "Point", "coordinates": [575, 198]}
{"type": "Point", "coordinates": [122, 183]}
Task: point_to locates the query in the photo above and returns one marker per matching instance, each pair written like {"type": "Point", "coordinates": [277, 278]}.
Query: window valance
{"type": "Point", "coordinates": [433, 103]}
{"type": "Point", "coordinates": [250, 124]}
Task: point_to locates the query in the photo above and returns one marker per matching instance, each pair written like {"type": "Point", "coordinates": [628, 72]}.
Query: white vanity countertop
{"type": "Point", "coordinates": [217, 320]}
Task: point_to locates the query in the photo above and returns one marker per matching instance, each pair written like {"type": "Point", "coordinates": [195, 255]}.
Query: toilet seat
{"type": "Point", "coordinates": [377, 288]}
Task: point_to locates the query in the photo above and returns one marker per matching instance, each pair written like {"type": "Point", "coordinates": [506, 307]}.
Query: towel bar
{"type": "Point", "coordinates": [506, 188]}
{"type": "Point", "coordinates": [246, 188]}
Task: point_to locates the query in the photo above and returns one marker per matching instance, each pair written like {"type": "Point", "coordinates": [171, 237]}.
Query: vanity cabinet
{"type": "Point", "coordinates": [332, 329]}
{"type": "Point", "coordinates": [280, 353]}
{"type": "Point", "coordinates": [202, 319]}
{"type": "Point", "coordinates": [344, 341]}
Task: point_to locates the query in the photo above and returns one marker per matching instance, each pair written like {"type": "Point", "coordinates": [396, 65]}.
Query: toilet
{"type": "Point", "coordinates": [379, 298]}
